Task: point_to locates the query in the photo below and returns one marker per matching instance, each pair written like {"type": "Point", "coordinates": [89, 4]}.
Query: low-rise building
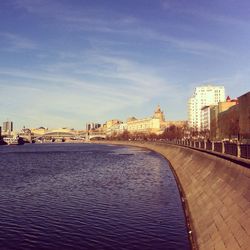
{"type": "Point", "coordinates": [216, 126]}
{"type": "Point", "coordinates": [155, 124]}
{"type": "Point", "coordinates": [231, 119]}
{"type": "Point", "coordinates": [228, 123]}
{"type": "Point", "coordinates": [111, 123]}
{"type": "Point", "coordinates": [39, 131]}
{"type": "Point", "coordinates": [244, 116]}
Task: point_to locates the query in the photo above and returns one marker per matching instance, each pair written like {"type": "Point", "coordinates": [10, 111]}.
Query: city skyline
{"type": "Point", "coordinates": [65, 63]}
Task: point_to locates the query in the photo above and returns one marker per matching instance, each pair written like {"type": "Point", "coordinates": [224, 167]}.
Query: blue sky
{"type": "Point", "coordinates": [66, 62]}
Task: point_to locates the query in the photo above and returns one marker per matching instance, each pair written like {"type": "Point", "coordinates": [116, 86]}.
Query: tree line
{"type": "Point", "coordinates": [170, 133]}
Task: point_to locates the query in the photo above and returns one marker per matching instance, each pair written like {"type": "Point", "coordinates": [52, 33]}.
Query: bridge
{"type": "Point", "coordinates": [95, 135]}
{"type": "Point", "coordinates": [67, 136]}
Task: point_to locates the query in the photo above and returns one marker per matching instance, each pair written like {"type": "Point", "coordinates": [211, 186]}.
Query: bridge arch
{"type": "Point", "coordinates": [97, 137]}
{"type": "Point", "coordinates": [59, 134]}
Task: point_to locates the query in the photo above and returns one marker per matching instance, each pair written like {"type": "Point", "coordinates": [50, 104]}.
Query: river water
{"type": "Point", "coordinates": [88, 196]}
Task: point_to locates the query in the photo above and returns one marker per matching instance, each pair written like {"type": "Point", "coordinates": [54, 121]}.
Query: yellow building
{"type": "Point", "coordinates": [39, 131]}
{"type": "Point", "coordinates": [223, 106]}
{"type": "Point", "coordinates": [154, 124]}
{"type": "Point", "coordinates": [146, 125]}
{"type": "Point", "coordinates": [111, 123]}
{"type": "Point", "coordinates": [220, 121]}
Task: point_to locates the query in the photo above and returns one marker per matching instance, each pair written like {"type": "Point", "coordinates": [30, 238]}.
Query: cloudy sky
{"type": "Point", "coordinates": [66, 62]}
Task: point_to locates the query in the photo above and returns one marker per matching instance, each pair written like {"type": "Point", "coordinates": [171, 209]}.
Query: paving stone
{"type": "Point", "coordinates": [245, 223]}
{"type": "Point", "coordinates": [219, 246]}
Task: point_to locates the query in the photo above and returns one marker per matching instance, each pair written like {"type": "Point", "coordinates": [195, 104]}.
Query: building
{"type": "Point", "coordinates": [216, 118]}
{"type": "Point", "coordinates": [158, 114]}
{"type": "Point", "coordinates": [111, 123]}
{"type": "Point", "coordinates": [203, 96]}
{"type": "Point", "coordinates": [244, 116]}
{"type": "Point", "coordinates": [145, 125]}
{"type": "Point", "coordinates": [117, 128]}
{"type": "Point", "coordinates": [92, 126]}
{"type": "Point", "coordinates": [7, 127]}
{"type": "Point", "coordinates": [206, 113]}
{"type": "Point", "coordinates": [231, 119]}
{"type": "Point", "coordinates": [205, 117]}
{"type": "Point", "coordinates": [214, 122]}
{"type": "Point", "coordinates": [223, 106]}
{"type": "Point", "coordinates": [228, 123]}
{"type": "Point", "coordinates": [38, 131]}
{"type": "Point", "coordinates": [154, 124]}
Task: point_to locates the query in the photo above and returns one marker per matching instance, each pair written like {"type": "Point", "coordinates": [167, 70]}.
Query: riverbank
{"type": "Point", "coordinates": [216, 192]}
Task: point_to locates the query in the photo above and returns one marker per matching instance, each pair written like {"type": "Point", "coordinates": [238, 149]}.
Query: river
{"type": "Point", "coordinates": [88, 196]}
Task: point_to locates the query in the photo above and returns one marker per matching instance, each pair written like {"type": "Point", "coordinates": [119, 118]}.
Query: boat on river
{"type": "Point", "coordinates": [13, 140]}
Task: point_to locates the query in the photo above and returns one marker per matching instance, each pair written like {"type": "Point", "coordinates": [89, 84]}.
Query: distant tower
{"type": "Point", "coordinates": [159, 114]}
{"type": "Point", "coordinates": [7, 127]}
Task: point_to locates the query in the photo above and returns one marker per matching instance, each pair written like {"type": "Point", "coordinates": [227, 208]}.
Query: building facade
{"type": "Point", "coordinates": [7, 127]}
{"type": "Point", "coordinates": [228, 123]}
{"type": "Point", "coordinates": [154, 124]}
{"type": "Point", "coordinates": [92, 126]}
{"type": "Point", "coordinates": [111, 123]}
{"type": "Point", "coordinates": [244, 117]}
{"type": "Point", "coordinates": [206, 118]}
{"type": "Point", "coordinates": [39, 131]}
{"type": "Point", "coordinates": [203, 96]}
{"type": "Point", "coordinates": [209, 114]}
{"type": "Point", "coordinates": [218, 129]}
{"type": "Point", "coordinates": [231, 119]}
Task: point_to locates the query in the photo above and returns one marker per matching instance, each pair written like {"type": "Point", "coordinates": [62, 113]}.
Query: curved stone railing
{"type": "Point", "coordinates": [216, 192]}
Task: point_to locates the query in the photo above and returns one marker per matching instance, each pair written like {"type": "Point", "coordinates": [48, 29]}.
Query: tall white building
{"type": "Point", "coordinates": [203, 96]}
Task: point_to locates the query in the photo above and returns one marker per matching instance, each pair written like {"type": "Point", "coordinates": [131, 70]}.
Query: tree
{"type": "Point", "coordinates": [172, 132]}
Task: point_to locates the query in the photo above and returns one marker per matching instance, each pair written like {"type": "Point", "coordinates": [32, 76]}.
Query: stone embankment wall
{"type": "Point", "coordinates": [216, 193]}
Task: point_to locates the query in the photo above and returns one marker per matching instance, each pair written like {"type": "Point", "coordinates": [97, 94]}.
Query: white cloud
{"type": "Point", "coordinates": [15, 42]}
{"type": "Point", "coordinates": [97, 20]}
{"type": "Point", "coordinates": [54, 92]}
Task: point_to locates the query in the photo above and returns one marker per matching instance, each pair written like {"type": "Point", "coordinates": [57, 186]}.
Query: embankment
{"type": "Point", "coordinates": [216, 193]}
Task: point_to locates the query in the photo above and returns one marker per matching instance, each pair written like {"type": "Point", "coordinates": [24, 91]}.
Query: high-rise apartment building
{"type": "Point", "coordinates": [7, 127]}
{"type": "Point", "coordinates": [203, 96]}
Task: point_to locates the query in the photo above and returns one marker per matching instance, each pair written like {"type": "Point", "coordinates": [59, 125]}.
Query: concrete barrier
{"type": "Point", "coordinates": [216, 193]}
